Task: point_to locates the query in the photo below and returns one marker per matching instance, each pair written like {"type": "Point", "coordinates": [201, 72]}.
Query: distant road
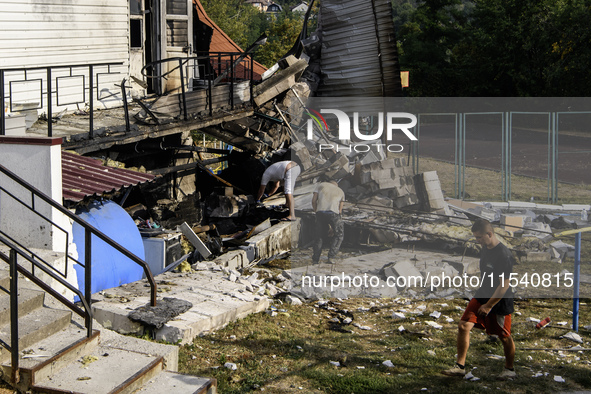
{"type": "Point", "coordinates": [529, 151]}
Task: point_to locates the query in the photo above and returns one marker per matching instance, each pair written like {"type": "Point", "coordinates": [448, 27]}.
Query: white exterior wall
{"type": "Point", "coordinates": [39, 165]}
{"type": "Point", "coordinates": [39, 33]}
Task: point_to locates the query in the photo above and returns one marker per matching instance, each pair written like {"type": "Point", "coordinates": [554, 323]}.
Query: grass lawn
{"type": "Point", "coordinates": [486, 185]}
{"type": "Point", "coordinates": [292, 351]}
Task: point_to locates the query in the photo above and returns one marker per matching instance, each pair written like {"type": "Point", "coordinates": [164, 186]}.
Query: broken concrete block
{"type": "Point", "coordinates": [406, 269]}
{"type": "Point", "coordinates": [246, 284]}
{"type": "Point", "coordinates": [200, 266]}
{"type": "Point", "coordinates": [271, 289]}
{"type": "Point", "coordinates": [253, 278]}
{"type": "Point", "coordinates": [512, 222]}
{"type": "Point", "coordinates": [537, 229]}
{"type": "Point", "coordinates": [538, 257]}
{"type": "Point", "coordinates": [469, 267]}
{"type": "Point", "coordinates": [563, 249]}
{"type": "Point", "coordinates": [195, 240]}
{"type": "Point", "coordinates": [428, 190]}
{"type": "Point", "coordinates": [281, 81]}
{"type": "Point", "coordinates": [292, 300]}
{"type": "Point", "coordinates": [301, 154]}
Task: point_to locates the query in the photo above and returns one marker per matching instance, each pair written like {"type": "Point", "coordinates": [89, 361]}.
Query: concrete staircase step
{"type": "Point", "coordinates": [114, 371]}
{"type": "Point", "coordinates": [28, 301]}
{"type": "Point", "coordinates": [53, 353]}
{"type": "Point", "coordinates": [173, 382]}
{"type": "Point", "coordinates": [33, 327]}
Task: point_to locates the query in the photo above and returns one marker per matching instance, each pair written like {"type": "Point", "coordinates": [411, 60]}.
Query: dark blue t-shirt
{"type": "Point", "coordinates": [497, 261]}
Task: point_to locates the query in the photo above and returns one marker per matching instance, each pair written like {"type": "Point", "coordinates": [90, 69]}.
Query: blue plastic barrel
{"type": "Point", "coordinates": [109, 267]}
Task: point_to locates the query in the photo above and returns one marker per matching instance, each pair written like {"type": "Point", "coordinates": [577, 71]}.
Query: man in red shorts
{"type": "Point", "coordinates": [492, 305]}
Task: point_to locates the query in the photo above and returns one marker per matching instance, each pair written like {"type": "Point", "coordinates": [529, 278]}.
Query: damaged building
{"type": "Point", "coordinates": [134, 146]}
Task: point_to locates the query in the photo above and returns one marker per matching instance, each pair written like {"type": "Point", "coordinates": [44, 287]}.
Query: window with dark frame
{"type": "Point", "coordinates": [135, 33]}
{"type": "Point", "coordinates": [136, 30]}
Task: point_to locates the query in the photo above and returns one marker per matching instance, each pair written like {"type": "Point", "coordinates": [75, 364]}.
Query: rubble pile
{"type": "Point", "coordinates": [260, 281]}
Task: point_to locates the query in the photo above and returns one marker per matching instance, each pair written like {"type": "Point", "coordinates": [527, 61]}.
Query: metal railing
{"type": "Point", "coordinates": [38, 263]}
{"type": "Point", "coordinates": [49, 84]}
{"type": "Point", "coordinates": [209, 70]}
{"type": "Point", "coordinates": [45, 77]}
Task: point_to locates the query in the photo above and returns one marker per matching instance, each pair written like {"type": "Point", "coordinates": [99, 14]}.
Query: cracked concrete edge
{"type": "Point", "coordinates": [193, 323]}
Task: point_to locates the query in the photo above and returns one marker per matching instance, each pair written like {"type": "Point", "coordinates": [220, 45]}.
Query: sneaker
{"type": "Point", "coordinates": [455, 371]}
{"type": "Point", "coordinates": [507, 374]}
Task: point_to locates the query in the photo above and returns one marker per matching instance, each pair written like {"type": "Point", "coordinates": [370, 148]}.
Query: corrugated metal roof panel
{"type": "Point", "coordinates": [85, 176]}
{"type": "Point", "coordinates": [359, 55]}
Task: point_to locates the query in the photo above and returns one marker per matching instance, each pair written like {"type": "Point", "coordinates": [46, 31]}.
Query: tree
{"type": "Point", "coordinates": [242, 22]}
{"type": "Point", "coordinates": [428, 42]}
{"type": "Point", "coordinates": [283, 33]}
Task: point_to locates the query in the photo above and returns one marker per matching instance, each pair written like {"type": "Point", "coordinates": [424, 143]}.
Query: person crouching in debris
{"type": "Point", "coordinates": [327, 201]}
{"type": "Point", "coordinates": [285, 172]}
{"type": "Point", "coordinates": [492, 304]}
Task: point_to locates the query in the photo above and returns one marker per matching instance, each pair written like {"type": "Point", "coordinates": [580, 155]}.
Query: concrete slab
{"type": "Point", "coordinates": [168, 382]}
{"type": "Point", "coordinates": [521, 204]}
{"type": "Point", "coordinates": [216, 302]}
{"type": "Point", "coordinates": [96, 374]}
{"type": "Point", "coordinates": [274, 241]}
{"type": "Point", "coordinates": [576, 207]}
{"type": "Point", "coordinates": [549, 207]}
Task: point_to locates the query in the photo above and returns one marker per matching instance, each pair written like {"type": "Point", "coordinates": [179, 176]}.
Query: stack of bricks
{"type": "Point", "coordinates": [390, 178]}
{"type": "Point", "coordinates": [429, 191]}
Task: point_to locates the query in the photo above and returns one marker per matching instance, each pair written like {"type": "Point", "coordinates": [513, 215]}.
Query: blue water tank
{"type": "Point", "coordinates": [110, 268]}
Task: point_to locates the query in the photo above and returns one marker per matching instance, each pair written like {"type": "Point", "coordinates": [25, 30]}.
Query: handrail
{"type": "Point", "coordinates": [231, 60]}
{"type": "Point", "coordinates": [89, 229]}
{"type": "Point", "coordinates": [49, 92]}
{"type": "Point", "coordinates": [33, 278]}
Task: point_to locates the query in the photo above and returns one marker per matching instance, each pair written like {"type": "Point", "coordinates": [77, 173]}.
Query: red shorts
{"type": "Point", "coordinates": [493, 324]}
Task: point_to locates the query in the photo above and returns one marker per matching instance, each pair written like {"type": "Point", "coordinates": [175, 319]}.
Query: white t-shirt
{"type": "Point", "coordinates": [329, 197]}
{"type": "Point", "coordinates": [277, 172]}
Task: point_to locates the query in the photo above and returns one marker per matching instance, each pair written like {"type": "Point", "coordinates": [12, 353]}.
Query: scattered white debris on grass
{"type": "Point", "coordinates": [388, 364]}
{"type": "Point", "coordinates": [231, 366]}
{"type": "Point", "coordinates": [434, 325]}
{"type": "Point", "coordinates": [398, 315]}
{"type": "Point", "coordinates": [559, 379]}
{"type": "Point", "coordinates": [573, 336]}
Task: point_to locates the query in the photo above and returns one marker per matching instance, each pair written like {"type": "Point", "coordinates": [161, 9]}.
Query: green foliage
{"type": "Point", "coordinates": [244, 23]}
{"type": "Point", "coordinates": [495, 47]}
{"type": "Point", "coordinates": [283, 33]}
